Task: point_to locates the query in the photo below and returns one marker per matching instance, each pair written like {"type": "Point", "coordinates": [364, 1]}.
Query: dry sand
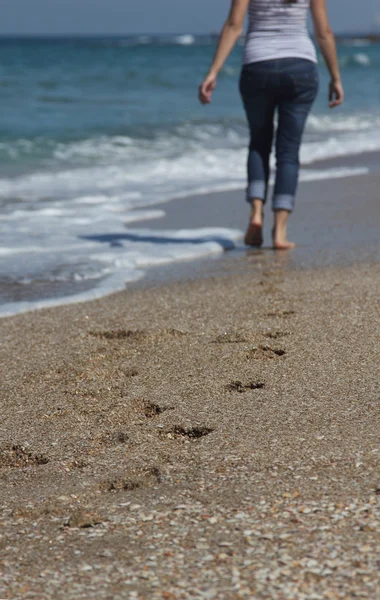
{"type": "Point", "coordinates": [216, 438]}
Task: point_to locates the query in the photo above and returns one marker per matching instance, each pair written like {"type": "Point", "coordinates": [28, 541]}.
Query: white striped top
{"type": "Point", "coordinates": [278, 29]}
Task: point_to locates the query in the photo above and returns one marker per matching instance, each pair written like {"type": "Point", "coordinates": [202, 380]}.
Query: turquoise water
{"type": "Point", "coordinates": [91, 129]}
{"type": "Point", "coordinates": [71, 101]}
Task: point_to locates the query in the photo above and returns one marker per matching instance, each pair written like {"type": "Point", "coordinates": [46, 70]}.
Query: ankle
{"type": "Point", "coordinates": [279, 234]}
{"type": "Point", "coordinates": [256, 218]}
{"type": "Point", "coordinates": [280, 224]}
{"type": "Point", "coordinates": [257, 211]}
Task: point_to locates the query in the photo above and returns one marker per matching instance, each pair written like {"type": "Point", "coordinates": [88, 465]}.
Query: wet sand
{"type": "Point", "coordinates": [336, 222]}
{"type": "Point", "coordinates": [212, 432]}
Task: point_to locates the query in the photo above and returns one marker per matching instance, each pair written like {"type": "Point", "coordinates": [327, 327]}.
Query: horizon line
{"type": "Point", "coordinates": [122, 34]}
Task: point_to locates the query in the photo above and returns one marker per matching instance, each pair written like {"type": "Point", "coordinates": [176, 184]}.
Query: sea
{"type": "Point", "coordinates": [96, 134]}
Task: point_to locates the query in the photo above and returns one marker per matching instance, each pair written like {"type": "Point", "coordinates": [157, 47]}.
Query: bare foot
{"type": "Point", "coordinates": [280, 242]}
{"type": "Point", "coordinates": [254, 234]}
{"type": "Point", "coordinates": [283, 245]}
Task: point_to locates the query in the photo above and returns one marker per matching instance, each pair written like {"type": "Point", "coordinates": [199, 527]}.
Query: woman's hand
{"type": "Point", "coordinates": [206, 88]}
{"type": "Point", "coordinates": [336, 93]}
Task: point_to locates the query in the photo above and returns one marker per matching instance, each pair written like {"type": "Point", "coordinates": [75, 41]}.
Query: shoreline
{"type": "Point", "coordinates": [227, 209]}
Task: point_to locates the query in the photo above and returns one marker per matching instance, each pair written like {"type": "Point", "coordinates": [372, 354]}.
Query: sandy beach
{"type": "Point", "coordinates": [214, 436]}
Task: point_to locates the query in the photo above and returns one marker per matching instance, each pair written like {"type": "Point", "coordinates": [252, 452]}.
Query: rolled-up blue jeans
{"type": "Point", "coordinates": [289, 87]}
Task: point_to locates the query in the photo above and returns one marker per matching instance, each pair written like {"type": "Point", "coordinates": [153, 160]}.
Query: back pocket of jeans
{"type": "Point", "coordinates": [306, 84]}
{"type": "Point", "coordinates": [253, 81]}
{"type": "Point", "coordinates": [306, 78]}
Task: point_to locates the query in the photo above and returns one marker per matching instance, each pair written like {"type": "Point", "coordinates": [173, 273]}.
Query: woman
{"type": "Point", "coordinates": [279, 74]}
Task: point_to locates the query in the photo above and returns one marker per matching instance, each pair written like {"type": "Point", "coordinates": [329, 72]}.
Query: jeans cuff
{"type": "Point", "coordinates": [283, 202]}
{"type": "Point", "coordinates": [257, 190]}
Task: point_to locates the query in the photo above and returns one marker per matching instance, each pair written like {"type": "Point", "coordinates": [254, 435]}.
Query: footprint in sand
{"type": "Point", "coordinates": [114, 438]}
{"type": "Point", "coordinates": [238, 386]}
{"type": "Point", "coordinates": [276, 335]}
{"type": "Point", "coordinates": [150, 409]}
{"type": "Point", "coordinates": [283, 314]}
{"type": "Point", "coordinates": [177, 432]}
{"type": "Point", "coordinates": [138, 335]}
{"type": "Point", "coordinates": [130, 372]}
{"type": "Point", "coordinates": [132, 479]}
{"type": "Point", "coordinates": [233, 337]}
{"type": "Point", "coordinates": [120, 334]}
{"type": "Point", "coordinates": [15, 456]}
{"type": "Point", "coordinates": [265, 352]}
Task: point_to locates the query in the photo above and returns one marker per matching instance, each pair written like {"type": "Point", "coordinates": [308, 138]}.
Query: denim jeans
{"type": "Point", "coordinates": [288, 86]}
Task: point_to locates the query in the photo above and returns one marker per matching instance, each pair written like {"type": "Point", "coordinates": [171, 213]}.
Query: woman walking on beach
{"type": "Point", "coordinates": [279, 74]}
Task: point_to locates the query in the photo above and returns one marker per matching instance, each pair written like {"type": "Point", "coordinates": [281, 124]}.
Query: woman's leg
{"type": "Point", "coordinates": [291, 122]}
{"type": "Point", "coordinates": [259, 107]}
{"type": "Point", "coordinates": [261, 136]}
{"type": "Point", "coordinates": [279, 232]}
{"type": "Point", "coordinates": [292, 115]}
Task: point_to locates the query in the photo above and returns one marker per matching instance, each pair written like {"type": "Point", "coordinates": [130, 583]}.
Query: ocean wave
{"type": "Point", "coordinates": [159, 40]}
{"type": "Point", "coordinates": [136, 171]}
{"type": "Point", "coordinates": [359, 59]}
{"type": "Point", "coordinates": [358, 122]}
{"type": "Point", "coordinates": [185, 40]}
{"type": "Point", "coordinates": [153, 144]}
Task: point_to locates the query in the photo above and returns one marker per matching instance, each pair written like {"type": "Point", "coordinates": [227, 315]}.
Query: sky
{"type": "Point", "coordinates": [154, 16]}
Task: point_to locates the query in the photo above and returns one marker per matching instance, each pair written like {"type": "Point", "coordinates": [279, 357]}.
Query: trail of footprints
{"type": "Point", "coordinates": [260, 352]}
{"type": "Point", "coordinates": [139, 477]}
{"type": "Point", "coordinates": [17, 456]}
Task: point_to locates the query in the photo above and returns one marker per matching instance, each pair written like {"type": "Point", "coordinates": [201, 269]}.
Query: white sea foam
{"type": "Point", "coordinates": [358, 59]}
{"type": "Point", "coordinates": [338, 173]}
{"type": "Point", "coordinates": [185, 40]}
{"type": "Point", "coordinates": [336, 147]}
{"type": "Point", "coordinates": [362, 59]}
{"type": "Point", "coordinates": [121, 259]}
{"type": "Point", "coordinates": [182, 140]}
{"type": "Point", "coordinates": [112, 285]}
{"type": "Point", "coordinates": [142, 180]}
{"type": "Point", "coordinates": [343, 123]}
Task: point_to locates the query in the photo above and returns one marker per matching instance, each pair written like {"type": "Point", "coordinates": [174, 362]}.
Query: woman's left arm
{"type": "Point", "coordinates": [231, 32]}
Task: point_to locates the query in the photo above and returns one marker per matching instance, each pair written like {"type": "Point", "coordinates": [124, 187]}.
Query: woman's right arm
{"type": "Point", "coordinates": [230, 33]}
{"type": "Point", "coordinates": [326, 42]}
